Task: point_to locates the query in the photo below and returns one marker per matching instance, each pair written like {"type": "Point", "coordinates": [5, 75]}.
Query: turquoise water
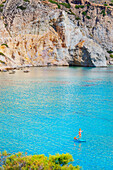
{"type": "Point", "coordinates": [41, 111]}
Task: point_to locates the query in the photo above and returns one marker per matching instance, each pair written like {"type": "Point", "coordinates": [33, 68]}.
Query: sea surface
{"type": "Point", "coordinates": [41, 112]}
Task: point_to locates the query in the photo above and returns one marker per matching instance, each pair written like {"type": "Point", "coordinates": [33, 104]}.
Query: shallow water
{"type": "Point", "coordinates": [41, 111]}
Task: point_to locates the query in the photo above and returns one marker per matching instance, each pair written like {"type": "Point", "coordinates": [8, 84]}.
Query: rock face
{"type": "Point", "coordinates": [97, 21]}
{"type": "Point", "coordinates": [37, 33]}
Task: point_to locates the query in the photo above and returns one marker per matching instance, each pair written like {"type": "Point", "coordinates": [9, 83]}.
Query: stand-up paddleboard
{"type": "Point", "coordinates": [79, 140]}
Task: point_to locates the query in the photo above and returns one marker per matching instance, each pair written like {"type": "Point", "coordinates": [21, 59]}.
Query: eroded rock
{"type": "Point", "coordinates": [40, 36]}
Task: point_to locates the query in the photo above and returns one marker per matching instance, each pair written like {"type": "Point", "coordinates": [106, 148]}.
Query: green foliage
{"type": "Point", "coordinates": [6, 25]}
{"type": "Point", "coordinates": [88, 5]}
{"type": "Point", "coordinates": [111, 55]}
{"type": "Point", "coordinates": [4, 153]}
{"type": "Point", "coordinates": [26, 0]}
{"type": "Point", "coordinates": [35, 162]}
{"type": "Point", "coordinates": [1, 5]}
{"type": "Point", "coordinates": [1, 10]}
{"type": "Point", "coordinates": [21, 7]}
{"type": "Point", "coordinates": [103, 12]}
{"type": "Point", "coordinates": [84, 13]}
{"type": "Point", "coordinates": [2, 62]}
{"type": "Point", "coordinates": [110, 52]}
{"type": "Point", "coordinates": [2, 55]}
{"type": "Point", "coordinates": [79, 6]}
{"type": "Point", "coordinates": [66, 5]}
{"type": "Point", "coordinates": [58, 4]}
{"type": "Point", "coordinates": [105, 4]}
{"type": "Point", "coordinates": [88, 17]}
{"type": "Point", "coordinates": [71, 12]}
{"type": "Point", "coordinates": [78, 18]}
{"type": "Point", "coordinates": [61, 159]}
{"type": "Point", "coordinates": [54, 2]}
{"type": "Point", "coordinates": [5, 45]}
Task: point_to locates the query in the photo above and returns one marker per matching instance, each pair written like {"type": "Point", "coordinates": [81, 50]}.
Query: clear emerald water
{"type": "Point", "coordinates": [41, 112]}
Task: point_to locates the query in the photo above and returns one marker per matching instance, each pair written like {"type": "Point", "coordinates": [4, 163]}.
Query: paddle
{"type": "Point", "coordinates": [75, 137]}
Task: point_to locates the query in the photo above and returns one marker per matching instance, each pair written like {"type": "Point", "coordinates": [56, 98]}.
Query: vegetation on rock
{"type": "Point", "coordinates": [21, 7]}
{"type": "Point", "coordinates": [4, 45]}
{"type": "Point", "coordinates": [84, 13]}
{"type": "Point", "coordinates": [2, 54]}
{"type": "Point", "coordinates": [88, 17]}
{"type": "Point", "coordinates": [26, 0]}
{"type": "Point", "coordinates": [66, 5]}
{"type": "Point", "coordinates": [103, 12]}
{"type": "Point", "coordinates": [111, 55]}
{"type": "Point", "coordinates": [54, 2]}
{"type": "Point", "coordinates": [79, 6]}
{"type": "Point", "coordinates": [110, 52]}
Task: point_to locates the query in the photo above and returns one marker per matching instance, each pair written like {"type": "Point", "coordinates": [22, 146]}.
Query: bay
{"type": "Point", "coordinates": [41, 112]}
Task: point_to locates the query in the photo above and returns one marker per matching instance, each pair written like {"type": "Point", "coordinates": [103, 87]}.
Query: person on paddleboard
{"type": "Point", "coordinates": [79, 133]}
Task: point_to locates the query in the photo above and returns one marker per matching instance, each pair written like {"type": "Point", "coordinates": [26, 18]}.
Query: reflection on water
{"type": "Point", "coordinates": [41, 111]}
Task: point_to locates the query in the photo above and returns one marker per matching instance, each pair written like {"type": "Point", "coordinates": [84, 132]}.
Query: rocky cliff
{"type": "Point", "coordinates": [42, 33]}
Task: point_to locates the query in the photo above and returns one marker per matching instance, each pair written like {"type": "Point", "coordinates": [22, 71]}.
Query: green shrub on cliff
{"type": "Point", "coordinates": [35, 162]}
{"type": "Point", "coordinates": [5, 45]}
{"type": "Point", "coordinates": [78, 18]}
{"type": "Point", "coordinates": [1, 10]}
{"type": "Point", "coordinates": [103, 12]}
{"type": "Point", "coordinates": [71, 12]}
{"type": "Point", "coordinates": [111, 55]}
{"type": "Point", "coordinates": [1, 5]}
{"type": "Point", "coordinates": [66, 5]}
{"type": "Point", "coordinates": [54, 2]}
{"type": "Point", "coordinates": [2, 62]}
{"type": "Point", "coordinates": [58, 4]}
{"type": "Point", "coordinates": [88, 17]}
{"type": "Point", "coordinates": [110, 52]}
{"type": "Point", "coordinates": [84, 13]}
{"type": "Point", "coordinates": [88, 5]}
{"type": "Point", "coordinates": [21, 7]}
{"type": "Point", "coordinates": [79, 6]}
{"type": "Point", "coordinates": [2, 54]}
{"type": "Point", "coordinates": [105, 4]}
{"type": "Point", "coordinates": [26, 0]}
